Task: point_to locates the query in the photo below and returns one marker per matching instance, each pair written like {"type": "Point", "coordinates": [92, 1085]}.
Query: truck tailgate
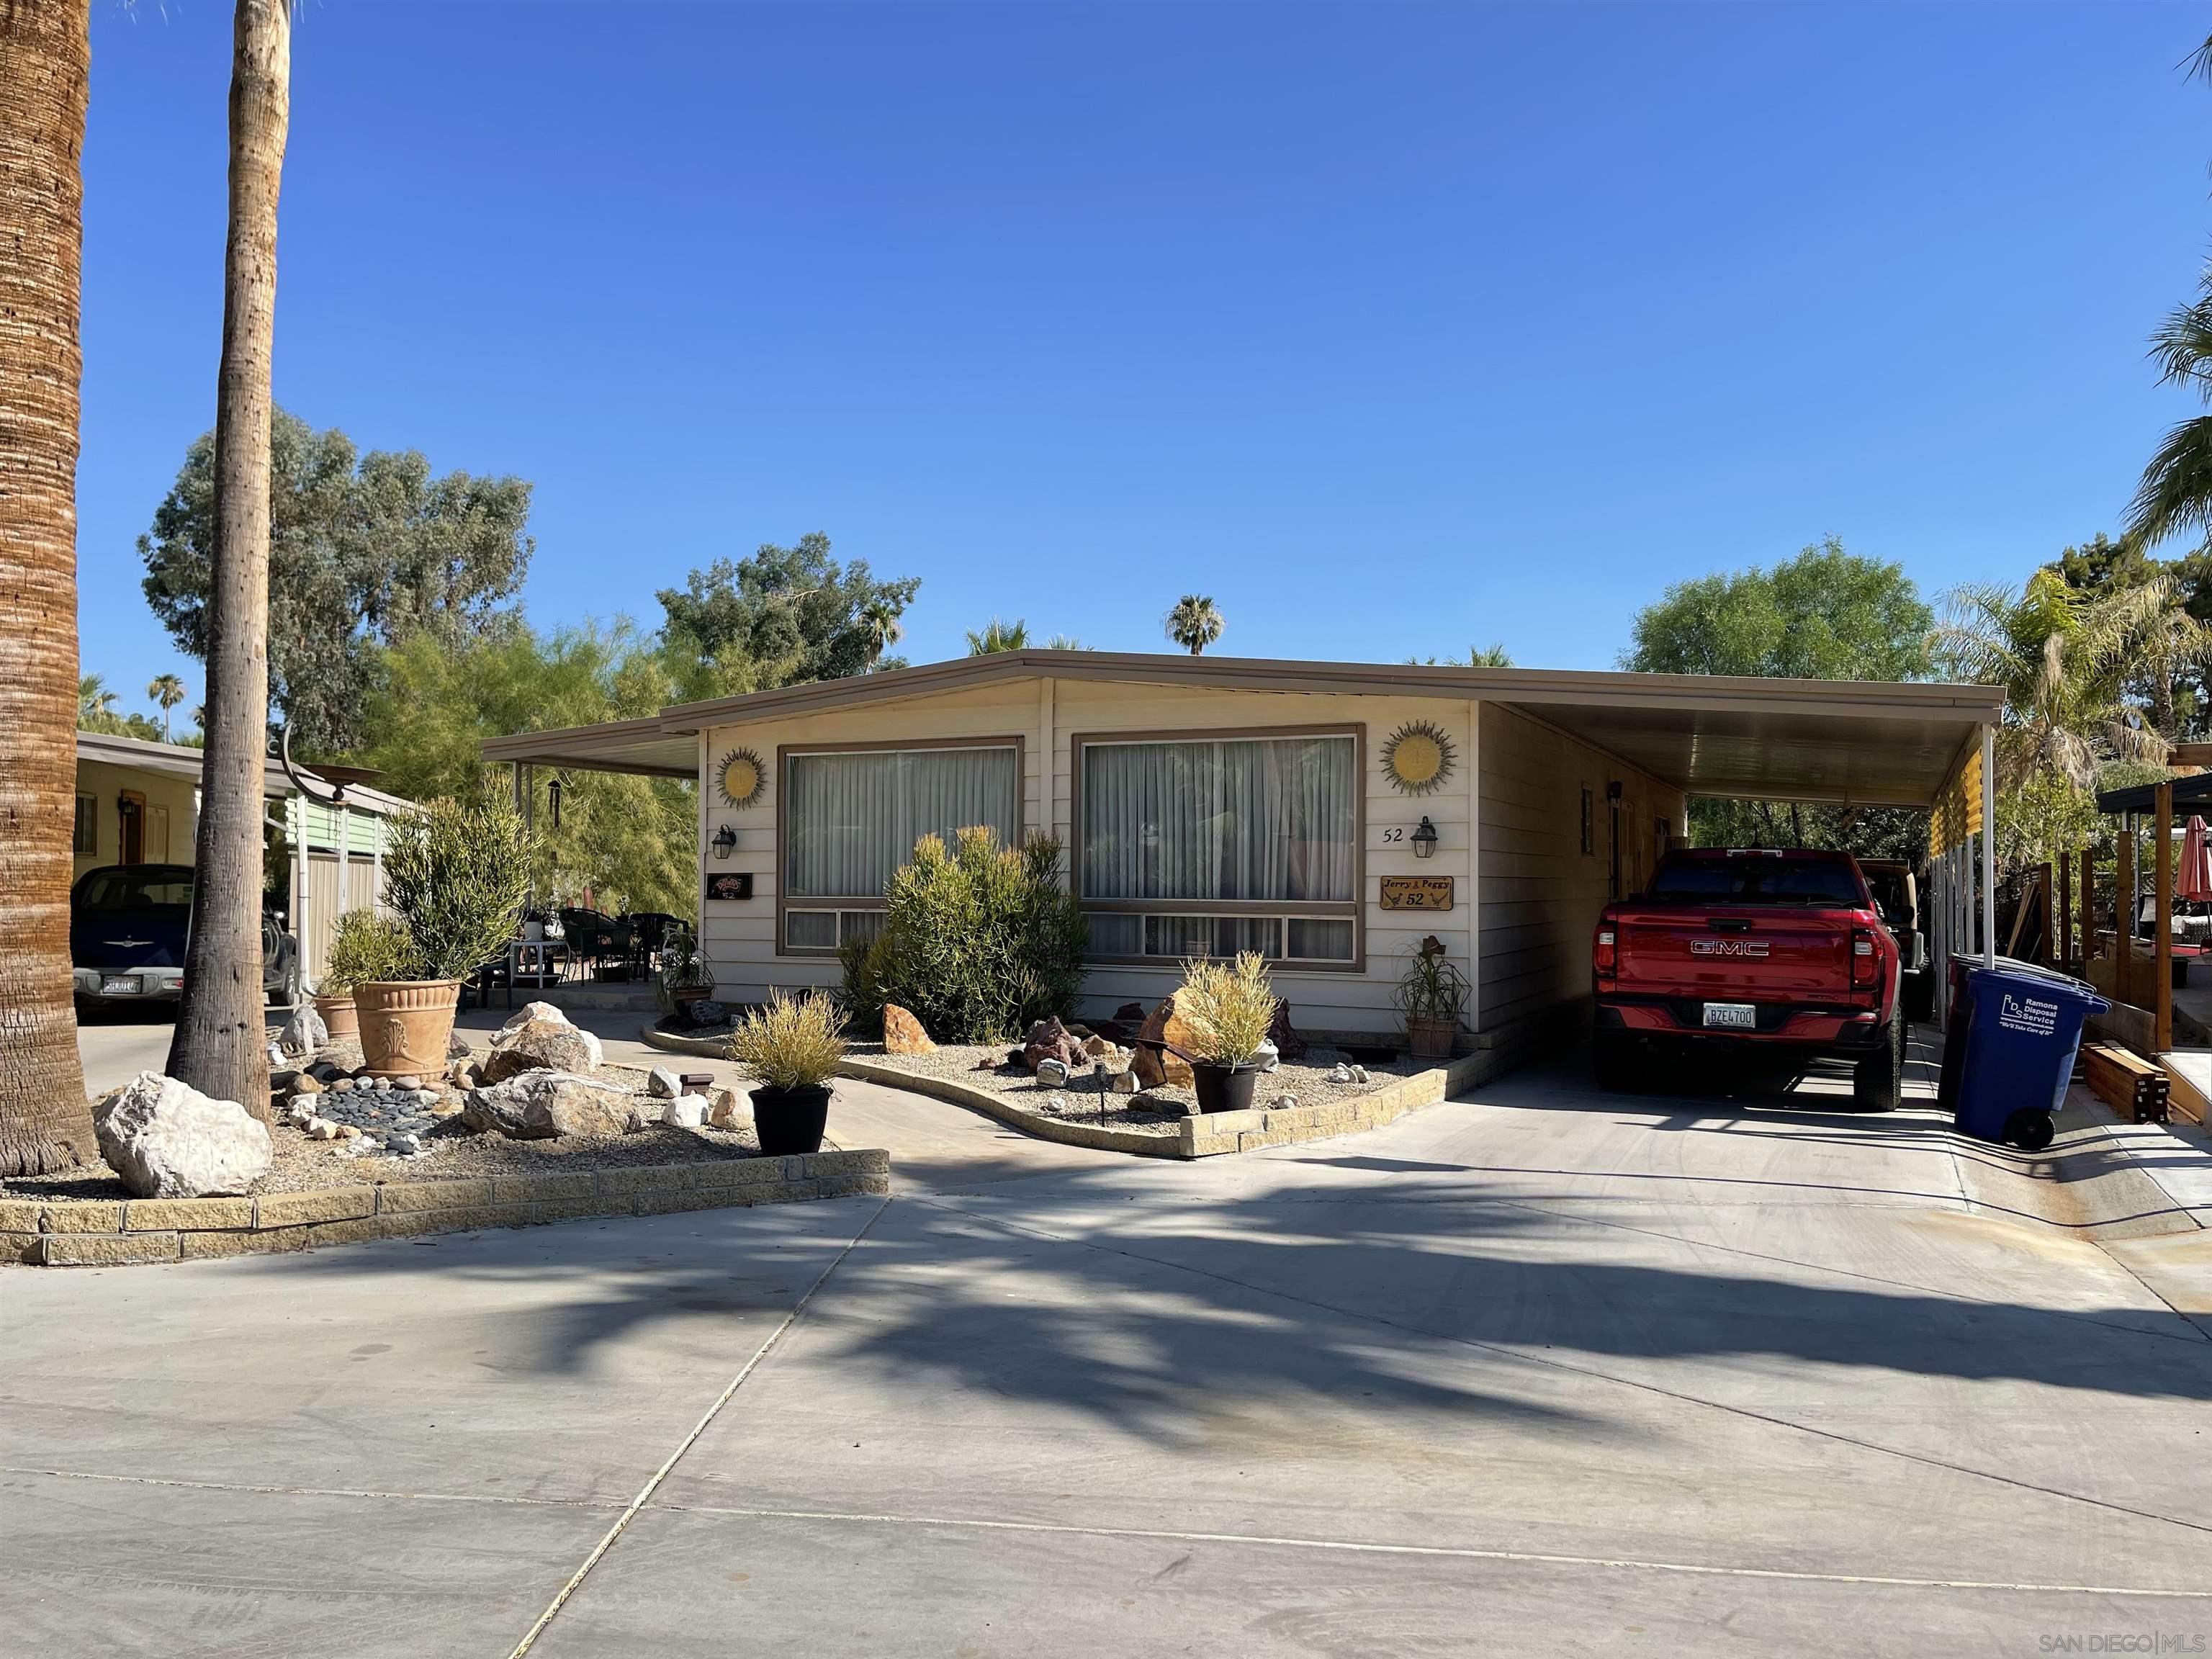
{"type": "Point", "coordinates": [1746, 953]}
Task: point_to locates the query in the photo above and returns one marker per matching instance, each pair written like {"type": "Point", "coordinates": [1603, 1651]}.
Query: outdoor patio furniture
{"type": "Point", "coordinates": [595, 941]}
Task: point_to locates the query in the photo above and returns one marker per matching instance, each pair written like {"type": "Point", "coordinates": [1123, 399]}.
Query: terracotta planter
{"type": "Point", "coordinates": [787, 1121]}
{"type": "Point", "coordinates": [340, 1019]}
{"type": "Point", "coordinates": [405, 1025]}
{"type": "Point", "coordinates": [1431, 1039]}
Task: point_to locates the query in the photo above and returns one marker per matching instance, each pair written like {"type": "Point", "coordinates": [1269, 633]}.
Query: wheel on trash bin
{"type": "Point", "coordinates": [2028, 1129]}
{"type": "Point", "coordinates": [1878, 1079]}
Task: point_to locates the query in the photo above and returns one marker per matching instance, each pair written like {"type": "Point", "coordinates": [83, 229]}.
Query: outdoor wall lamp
{"type": "Point", "coordinates": [553, 800]}
{"type": "Point", "coordinates": [725, 842]}
{"type": "Point", "coordinates": [1425, 839]}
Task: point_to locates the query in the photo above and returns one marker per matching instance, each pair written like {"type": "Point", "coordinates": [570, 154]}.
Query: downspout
{"type": "Point", "coordinates": [1989, 847]}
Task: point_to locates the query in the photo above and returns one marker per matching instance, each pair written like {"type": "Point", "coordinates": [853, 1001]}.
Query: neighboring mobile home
{"type": "Point", "coordinates": [1331, 815]}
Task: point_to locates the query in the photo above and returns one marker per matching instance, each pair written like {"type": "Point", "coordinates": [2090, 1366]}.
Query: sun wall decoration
{"type": "Point", "coordinates": [1417, 757]}
{"type": "Point", "coordinates": [740, 778]}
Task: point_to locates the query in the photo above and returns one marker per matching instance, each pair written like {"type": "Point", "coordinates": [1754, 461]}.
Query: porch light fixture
{"type": "Point", "coordinates": [1425, 839]}
{"type": "Point", "coordinates": [725, 842]}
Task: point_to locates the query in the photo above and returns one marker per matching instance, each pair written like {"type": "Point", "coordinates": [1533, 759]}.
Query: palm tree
{"type": "Point", "coordinates": [221, 1044]}
{"type": "Point", "coordinates": [46, 63]}
{"type": "Point", "coordinates": [1066, 643]}
{"type": "Point", "coordinates": [1195, 623]}
{"type": "Point", "coordinates": [2176, 491]}
{"type": "Point", "coordinates": [167, 690]}
{"type": "Point", "coordinates": [999, 636]}
{"type": "Point", "coordinates": [880, 624]}
{"type": "Point", "coordinates": [95, 704]}
{"type": "Point", "coordinates": [1494, 656]}
{"type": "Point", "coordinates": [2163, 642]}
{"type": "Point", "coordinates": [2064, 662]}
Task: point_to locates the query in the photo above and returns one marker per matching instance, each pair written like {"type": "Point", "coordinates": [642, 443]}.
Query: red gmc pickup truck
{"type": "Point", "coordinates": [1742, 948]}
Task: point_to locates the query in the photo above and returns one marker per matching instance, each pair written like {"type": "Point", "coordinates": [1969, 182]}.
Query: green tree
{"type": "Point", "coordinates": [999, 636]}
{"type": "Point", "coordinates": [634, 840]}
{"type": "Point", "coordinates": [1825, 615]}
{"type": "Point", "coordinates": [2166, 669]}
{"type": "Point", "coordinates": [785, 615]}
{"type": "Point", "coordinates": [96, 712]}
{"type": "Point", "coordinates": [1195, 623]}
{"type": "Point", "coordinates": [363, 550]}
{"type": "Point", "coordinates": [1477, 656]}
{"type": "Point", "coordinates": [167, 690]}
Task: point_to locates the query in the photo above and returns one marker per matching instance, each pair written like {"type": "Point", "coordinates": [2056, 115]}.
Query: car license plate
{"type": "Point", "coordinates": [1736, 1015]}
{"type": "Point", "coordinates": [124, 986]}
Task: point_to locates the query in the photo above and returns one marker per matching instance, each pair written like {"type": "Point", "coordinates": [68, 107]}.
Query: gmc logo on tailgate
{"type": "Point", "coordinates": [1728, 947]}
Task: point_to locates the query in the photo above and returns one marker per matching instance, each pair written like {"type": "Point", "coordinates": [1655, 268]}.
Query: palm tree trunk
{"type": "Point", "coordinates": [2161, 701]}
{"type": "Point", "coordinates": [46, 64]}
{"type": "Point", "coordinates": [221, 1044]}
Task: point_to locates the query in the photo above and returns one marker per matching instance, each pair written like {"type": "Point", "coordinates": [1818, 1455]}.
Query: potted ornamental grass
{"type": "Point", "coordinates": [1432, 998]}
{"type": "Point", "coordinates": [1229, 1010]}
{"type": "Point", "coordinates": [793, 1044]}
{"type": "Point", "coordinates": [364, 947]}
{"type": "Point", "coordinates": [457, 877]}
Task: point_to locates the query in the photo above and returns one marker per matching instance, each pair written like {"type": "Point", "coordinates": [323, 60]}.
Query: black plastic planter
{"type": "Point", "coordinates": [787, 1121]}
{"type": "Point", "coordinates": [1224, 1088]}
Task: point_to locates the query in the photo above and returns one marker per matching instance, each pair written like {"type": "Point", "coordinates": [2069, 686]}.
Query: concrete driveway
{"type": "Point", "coordinates": [1540, 1370]}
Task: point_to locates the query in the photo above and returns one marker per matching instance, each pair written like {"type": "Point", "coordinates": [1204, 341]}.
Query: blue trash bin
{"type": "Point", "coordinates": [2022, 1025]}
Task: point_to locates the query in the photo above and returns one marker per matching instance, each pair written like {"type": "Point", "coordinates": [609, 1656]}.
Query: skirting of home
{"type": "Point", "coordinates": [123, 1232]}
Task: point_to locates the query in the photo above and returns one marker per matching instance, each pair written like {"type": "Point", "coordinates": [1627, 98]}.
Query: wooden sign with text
{"type": "Point", "coordinates": [731, 884]}
{"type": "Point", "coordinates": [1417, 892]}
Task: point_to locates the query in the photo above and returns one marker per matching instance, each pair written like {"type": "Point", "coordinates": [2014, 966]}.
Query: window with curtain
{"type": "Point", "coordinates": [1172, 828]}
{"type": "Point", "coordinates": [850, 819]}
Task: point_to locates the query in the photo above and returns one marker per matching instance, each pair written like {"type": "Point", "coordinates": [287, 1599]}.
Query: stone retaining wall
{"type": "Point", "coordinates": [110, 1233]}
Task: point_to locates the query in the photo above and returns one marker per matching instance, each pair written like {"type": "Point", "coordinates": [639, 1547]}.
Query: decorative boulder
{"type": "Point", "coordinates": [1288, 1043]}
{"type": "Point", "coordinates": [1131, 1014]}
{"type": "Point", "coordinates": [547, 1105]}
{"type": "Point", "coordinates": [903, 1033]}
{"type": "Point", "coordinates": [685, 1112]}
{"type": "Point", "coordinates": [1052, 1074]}
{"type": "Point", "coordinates": [662, 1084]}
{"type": "Point", "coordinates": [457, 1047]}
{"type": "Point", "coordinates": [1156, 1066]}
{"type": "Point", "coordinates": [729, 1111]}
{"type": "Point", "coordinates": [1049, 1040]}
{"type": "Point", "coordinates": [1123, 1083]}
{"type": "Point", "coordinates": [166, 1139]}
{"type": "Point", "coordinates": [303, 1034]}
{"type": "Point", "coordinates": [1098, 1048]}
{"type": "Point", "coordinates": [705, 1011]}
{"type": "Point", "coordinates": [540, 1038]}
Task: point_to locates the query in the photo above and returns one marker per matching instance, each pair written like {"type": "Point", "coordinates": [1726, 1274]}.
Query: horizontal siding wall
{"type": "Point", "coordinates": [1539, 893]}
{"type": "Point", "coordinates": [740, 939]}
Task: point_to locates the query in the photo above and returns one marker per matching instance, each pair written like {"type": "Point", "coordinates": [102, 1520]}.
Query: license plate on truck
{"type": "Point", "coordinates": [1732, 1016]}
{"type": "Point", "coordinates": [127, 987]}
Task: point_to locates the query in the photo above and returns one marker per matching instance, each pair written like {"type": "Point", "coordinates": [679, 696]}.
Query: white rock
{"type": "Point", "coordinates": [685, 1112]}
{"type": "Point", "coordinates": [1124, 1083]}
{"type": "Point", "coordinates": [299, 1111]}
{"type": "Point", "coordinates": [169, 1140]}
{"type": "Point", "coordinates": [1339, 1072]}
{"type": "Point", "coordinates": [322, 1128]}
{"type": "Point", "coordinates": [304, 1033]}
{"type": "Point", "coordinates": [662, 1084]}
{"type": "Point", "coordinates": [540, 1037]}
{"type": "Point", "coordinates": [544, 1105]}
{"type": "Point", "coordinates": [729, 1111]}
{"type": "Point", "coordinates": [1359, 1074]}
{"type": "Point", "coordinates": [404, 1146]}
{"type": "Point", "coordinates": [1281, 1102]}
{"type": "Point", "coordinates": [1051, 1073]}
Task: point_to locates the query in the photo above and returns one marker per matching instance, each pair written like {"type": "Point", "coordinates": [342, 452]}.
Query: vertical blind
{"type": "Point", "coordinates": [851, 819]}
{"type": "Point", "coordinates": [1240, 818]}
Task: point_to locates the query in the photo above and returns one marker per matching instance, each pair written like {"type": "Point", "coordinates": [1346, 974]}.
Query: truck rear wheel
{"type": "Point", "coordinates": [1878, 1079]}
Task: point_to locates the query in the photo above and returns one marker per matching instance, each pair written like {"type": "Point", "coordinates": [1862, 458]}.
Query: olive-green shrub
{"type": "Point", "coordinates": [792, 1042]}
{"type": "Point", "coordinates": [457, 876]}
{"type": "Point", "coordinates": [978, 941]}
{"type": "Point", "coordinates": [365, 948]}
{"type": "Point", "coordinates": [1229, 1009]}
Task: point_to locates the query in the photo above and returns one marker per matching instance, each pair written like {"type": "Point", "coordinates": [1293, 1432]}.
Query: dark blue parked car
{"type": "Point", "coordinates": [127, 928]}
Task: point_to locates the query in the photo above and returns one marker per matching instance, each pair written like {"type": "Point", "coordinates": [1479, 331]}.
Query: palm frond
{"type": "Point", "coordinates": [2176, 491]}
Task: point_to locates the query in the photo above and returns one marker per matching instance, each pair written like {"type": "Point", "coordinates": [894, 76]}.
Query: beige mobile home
{"type": "Point", "coordinates": [1330, 815]}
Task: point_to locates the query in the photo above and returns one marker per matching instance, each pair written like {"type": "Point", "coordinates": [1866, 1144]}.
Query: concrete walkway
{"type": "Point", "coordinates": [1540, 1370]}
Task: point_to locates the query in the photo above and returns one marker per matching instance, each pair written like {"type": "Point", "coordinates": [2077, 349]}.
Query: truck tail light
{"type": "Point", "coordinates": [1606, 957]}
{"type": "Point", "coordinates": [1865, 964]}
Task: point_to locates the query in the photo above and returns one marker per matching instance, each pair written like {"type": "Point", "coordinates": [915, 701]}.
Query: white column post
{"type": "Point", "coordinates": [1989, 847]}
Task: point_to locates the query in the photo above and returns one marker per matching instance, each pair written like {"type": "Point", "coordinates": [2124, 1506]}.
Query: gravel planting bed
{"type": "Point", "coordinates": [1154, 1111]}
{"type": "Point", "coordinates": [449, 1151]}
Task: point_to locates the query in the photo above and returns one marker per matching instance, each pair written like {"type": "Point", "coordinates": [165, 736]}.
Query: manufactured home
{"type": "Point", "coordinates": [1333, 816]}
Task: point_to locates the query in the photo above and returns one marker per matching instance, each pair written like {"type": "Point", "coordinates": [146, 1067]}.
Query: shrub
{"type": "Point", "coordinates": [458, 876]}
{"type": "Point", "coordinates": [978, 941]}
{"type": "Point", "coordinates": [793, 1042]}
{"type": "Point", "coordinates": [1229, 1009]}
{"type": "Point", "coordinates": [365, 948]}
{"type": "Point", "coordinates": [1431, 988]}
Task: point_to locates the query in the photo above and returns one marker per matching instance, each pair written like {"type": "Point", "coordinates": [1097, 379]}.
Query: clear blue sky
{"type": "Point", "coordinates": [1394, 328]}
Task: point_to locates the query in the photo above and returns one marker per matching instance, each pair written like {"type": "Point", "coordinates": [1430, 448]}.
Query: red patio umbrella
{"type": "Point", "coordinates": [2193, 881]}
